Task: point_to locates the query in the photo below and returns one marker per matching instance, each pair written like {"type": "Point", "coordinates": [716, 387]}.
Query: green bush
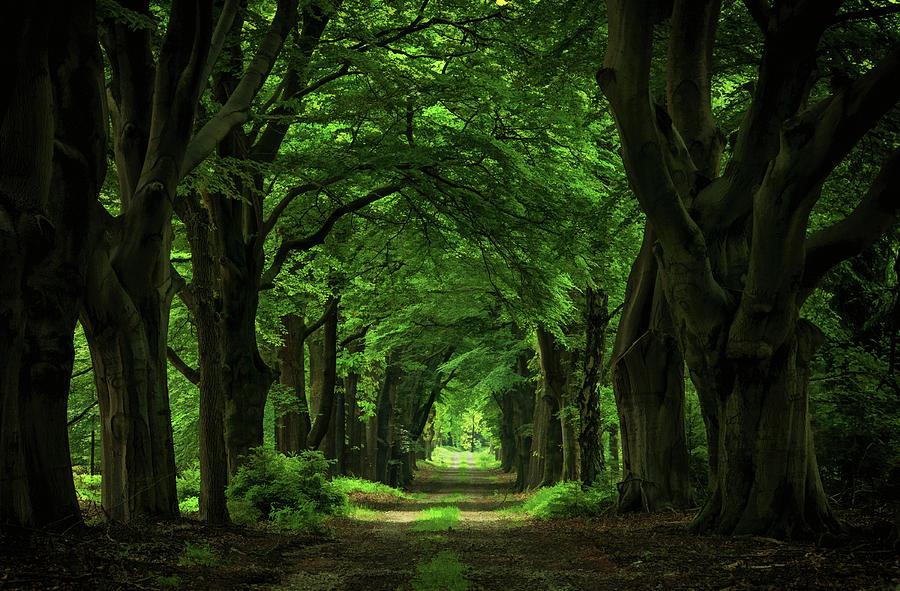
{"type": "Point", "coordinates": [189, 505]}
{"type": "Point", "coordinates": [569, 499]}
{"type": "Point", "coordinates": [187, 483]}
{"type": "Point", "coordinates": [87, 487]}
{"type": "Point", "coordinates": [347, 485]}
{"type": "Point", "coordinates": [283, 488]}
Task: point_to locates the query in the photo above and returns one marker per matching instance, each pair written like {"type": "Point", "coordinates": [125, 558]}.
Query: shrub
{"type": "Point", "coordinates": [284, 488]}
{"type": "Point", "coordinates": [87, 487]}
{"type": "Point", "coordinates": [347, 485]}
{"type": "Point", "coordinates": [187, 483]}
{"type": "Point", "coordinates": [189, 505]}
{"type": "Point", "coordinates": [569, 499]}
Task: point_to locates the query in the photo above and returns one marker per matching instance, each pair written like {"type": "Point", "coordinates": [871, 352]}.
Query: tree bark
{"type": "Point", "coordinates": [596, 316]}
{"type": "Point", "coordinates": [204, 307]}
{"type": "Point", "coordinates": [770, 482]}
{"type": "Point", "coordinates": [292, 423]}
{"type": "Point", "coordinates": [52, 162]}
{"type": "Point", "coordinates": [324, 395]}
{"type": "Point", "coordinates": [560, 444]}
{"type": "Point", "coordinates": [650, 396]}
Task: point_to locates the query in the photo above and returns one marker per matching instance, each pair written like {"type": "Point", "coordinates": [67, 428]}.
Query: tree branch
{"type": "Point", "coordinates": [226, 19]}
{"type": "Point", "coordinates": [688, 85]}
{"type": "Point", "coordinates": [625, 80]}
{"type": "Point", "coordinates": [293, 194]}
{"type": "Point", "coordinates": [357, 335]}
{"type": "Point", "coordinates": [186, 370]}
{"type": "Point", "coordinates": [82, 414]}
{"type": "Point", "coordinates": [311, 328]}
{"type": "Point", "coordinates": [319, 235]}
{"type": "Point", "coordinates": [852, 235]}
{"type": "Point", "coordinates": [866, 14]}
{"type": "Point", "coordinates": [235, 111]}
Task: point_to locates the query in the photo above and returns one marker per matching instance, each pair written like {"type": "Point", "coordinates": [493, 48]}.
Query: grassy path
{"type": "Point", "coordinates": [450, 536]}
{"type": "Point", "coordinates": [453, 536]}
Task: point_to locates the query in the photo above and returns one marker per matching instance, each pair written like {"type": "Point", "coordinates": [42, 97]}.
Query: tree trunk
{"type": "Point", "coordinates": [537, 455]}
{"type": "Point", "coordinates": [328, 365]}
{"type": "Point", "coordinates": [558, 434]}
{"type": "Point", "coordinates": [654, 449]}
{"type": "Point", "coordinates": [292, 423]}
{"type": "Point", "coordinates": [127, 337]}
{"type": "Point", "coordinates": [767, 478]}
{"type": "Point", "coordinates": [204, 307]}
{"type": "Point", "coordinates": [52, 162]}
{"type": "Point", "coordinates": [614, 448]}
{"type": "Point", "coordinates": [355, 427]}
{"type": "Point", "coordinates": [385, 412]}
{"type": "Point", "coordinates": [590, 437]}
{"type": "Point", "coordinates": [648, 381]}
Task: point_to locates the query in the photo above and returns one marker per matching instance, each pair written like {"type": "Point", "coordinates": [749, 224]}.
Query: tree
{"type": "Point", "coordinates": [52, 164]}
{"type": "Point", "coordinates": [735, 261]}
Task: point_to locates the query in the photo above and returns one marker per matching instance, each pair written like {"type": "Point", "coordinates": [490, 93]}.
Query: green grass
{"type": "Point", "coordinates": [347, 485]}
{"type": "Point", "coordinates": [197, 556]}
{"type": "Point", "coordinates": [436, 519]}
{"type": "Point", "coordinates": [566, 499]}
{"type": "Point", "coordinates": [444, 572]}
{"type": "Point", "coordinates": [442, 457]}
{"type": "Point", "coordinates": [484, 459]}
{"type": "Point", "coordinates": [362, 513]}
{"type": "Point", "coordinates": [453, 498]}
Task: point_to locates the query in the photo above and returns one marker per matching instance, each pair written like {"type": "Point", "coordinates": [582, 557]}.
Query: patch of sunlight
{"type": "Point", "coordinates": [453, 498]}
{"type": "Point", "coordinates": [436, 518]}
{"type": "Point", "coordinates": [485, 460]}
{"type": "Point", "coordinates": [347, 485]}
{"type": "Point", "coordinates": [444, 572]}
{"type": "Point", "coordinates": [363, 514]}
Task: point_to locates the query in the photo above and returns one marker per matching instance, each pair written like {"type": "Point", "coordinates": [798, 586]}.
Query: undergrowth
{"type": "Point", "coordinates": [347, 485]}
{"type": "Point", "coordinates": [290, 491]}
{"type": "Point", "coordinates": [436, 519]}
{"type": "Point", "coordinates": [444, 572]}
{"type": "Point", "coordinates": [567, 499]}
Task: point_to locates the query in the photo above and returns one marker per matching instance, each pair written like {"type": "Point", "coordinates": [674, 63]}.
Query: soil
{"type": "Point", "coordinates": [498, 551]}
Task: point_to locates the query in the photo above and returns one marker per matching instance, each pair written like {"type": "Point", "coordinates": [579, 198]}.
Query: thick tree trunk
{"type": "Point", "coordinates": [767, 479]}
{"type": "Point", "coordinates": [246, 377]}
{"type": "Point", "coordinates": [524, 399]}
{"type": "Point", "coordinates": [560, 439]}
{"type": "Point", "coordinates": [127, 336]}
{"type": "Point", "coordinates": [651, 384]}
{"type": "Point", "coordinates": [370, 455]}
{"type": "Point", "coordinates": [508, 449]}
{"type": "Point", "coordinates": [385, 424]}
{"type": "Point", "coordinates": [355, 427]}
{"type": "Point", "coordinates": [648, 381]}
{"type": "Point", "coordinates": [46, 192]}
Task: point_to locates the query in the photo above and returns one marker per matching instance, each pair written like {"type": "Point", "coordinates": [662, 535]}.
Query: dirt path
{"type": "Point", "coordinates": [492, 550]}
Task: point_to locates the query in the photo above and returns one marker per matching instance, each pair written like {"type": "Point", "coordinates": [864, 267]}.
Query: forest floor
{"type": "Point", "coordinates": [453, 535]}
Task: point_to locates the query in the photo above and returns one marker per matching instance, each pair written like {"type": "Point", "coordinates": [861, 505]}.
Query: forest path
{"type": "Point", "coordinates": [451, 536]}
